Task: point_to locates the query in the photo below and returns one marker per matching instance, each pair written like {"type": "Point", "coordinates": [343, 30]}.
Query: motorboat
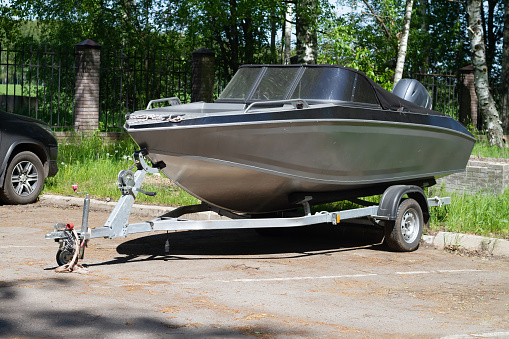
{"type": "Point", "coordinates": [281, 134]}
{"type": "Point", "coordinates": [280, 139]}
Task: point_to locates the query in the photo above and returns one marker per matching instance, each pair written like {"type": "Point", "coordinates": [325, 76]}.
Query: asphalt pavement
{"type": "Point", "coordinates": [313, 282]}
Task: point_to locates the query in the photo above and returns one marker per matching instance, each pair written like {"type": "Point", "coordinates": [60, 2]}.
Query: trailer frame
{"type": "Point", "coordinates": [385, 214]}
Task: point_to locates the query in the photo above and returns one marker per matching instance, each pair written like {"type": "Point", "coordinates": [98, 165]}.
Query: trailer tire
{"type": "Point", "coordinates": [404, 234]}
{"type": "Point", "coordinates": [63, 257]}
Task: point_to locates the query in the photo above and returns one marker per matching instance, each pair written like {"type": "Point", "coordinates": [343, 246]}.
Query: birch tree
{"type": "Point", "coordinates": [486, 103]}
{"type": "Point", "coordinates": [403, 43]}
{"type": "Point", "coordinates": [505, 67]}
{"type": "Point", "coordinates": [287, 35]}
{"type": "Point", "coordinates": [306, 13]}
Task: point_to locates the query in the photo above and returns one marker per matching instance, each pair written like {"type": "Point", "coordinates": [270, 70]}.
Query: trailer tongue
{"type": "Point", "coordinates": [403, 212]}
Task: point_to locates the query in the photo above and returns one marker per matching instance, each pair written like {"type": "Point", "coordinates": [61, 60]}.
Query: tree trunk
{"type": "Point", "coordinates": [234, 37]}
{"type": "Point", "coordinates": [273, 31]}
{"type": "Point", "coordinates": [306, 30]}
{"type": "Point", "coordinates": [403, 43]}
{"type": "Point", "coordinates": [287, 35]}
{"type": "Point", "coordinates": [505, 69]}
{"type": "Point", "coordinates": [249, 40]}
{"type": "Point", "coordinates": [486, 103]}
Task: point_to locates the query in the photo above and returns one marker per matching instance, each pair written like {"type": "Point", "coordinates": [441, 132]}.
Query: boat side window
{"type": "Point", "coordinates": [275, 83]}
{"type": "Point", "coordinates": [323, 83]}
{"type": "Point", "coordinates": [364, 92]}
{"type": "Point", "coordinates": [240, 86]}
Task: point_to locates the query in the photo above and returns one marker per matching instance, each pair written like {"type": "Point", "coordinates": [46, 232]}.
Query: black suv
{"type": "Point", "coordinates": [28, 155]}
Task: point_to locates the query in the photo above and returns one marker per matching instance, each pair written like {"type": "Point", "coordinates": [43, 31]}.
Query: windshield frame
{"type": "Point", "coordinates": [292, 85]}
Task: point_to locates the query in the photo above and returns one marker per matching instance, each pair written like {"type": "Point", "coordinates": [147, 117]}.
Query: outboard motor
{"type": "Point", "coordinates": [413, 91]}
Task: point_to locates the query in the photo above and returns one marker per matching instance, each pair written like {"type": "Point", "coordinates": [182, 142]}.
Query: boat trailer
{"type": "Point", "coordinates": [403, 218]}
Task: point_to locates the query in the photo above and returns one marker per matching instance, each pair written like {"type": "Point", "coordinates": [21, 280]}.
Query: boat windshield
{"type": "Point", "coordinates": [275, 83]}
{"type": "Point", "coordinates": [240, 86]}
{"type": "Point", "coordinates": [280, 83]}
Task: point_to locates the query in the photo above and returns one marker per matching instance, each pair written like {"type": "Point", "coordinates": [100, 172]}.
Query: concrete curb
{"type": "Point", "coordinates": [486, 245]}
{"type": "Point", "coordinates": [491, 246]}
{"type": "Point", "coordinates": [150, 211]}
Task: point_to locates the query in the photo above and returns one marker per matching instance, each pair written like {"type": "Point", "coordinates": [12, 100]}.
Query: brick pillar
{"type": "Point", "coordinates": [203, 75]}
{"type": "Point", "coordinates": [468, 97]}
{"type": "Point", "coordinates": [88, 61]}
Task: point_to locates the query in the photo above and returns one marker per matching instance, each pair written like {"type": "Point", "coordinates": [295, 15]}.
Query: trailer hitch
{"type": "Point", "coordinates": [129, 184]}
{"type": "Point", "coordinates": [65, 234]}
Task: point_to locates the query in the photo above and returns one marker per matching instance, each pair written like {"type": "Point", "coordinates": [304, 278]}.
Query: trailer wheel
{"type": "Point", "coordinates": [64, 256]}
{"type": "Point", "coordinates": [404, 234]}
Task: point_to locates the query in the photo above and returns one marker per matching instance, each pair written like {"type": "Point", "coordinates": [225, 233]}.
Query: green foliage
{"type": "Point", "coordinates": [367, 38]}
{"type": "Point", "coordinates": [28, 91]}
{"type": "Point", "coordinates": [345, 45]}
{"type": "Point", "coordinates": [483, 149]}
{"type": "Point", "coordinates": [93, 165]}
{"type": "Point", "coordinates": [486, 215]}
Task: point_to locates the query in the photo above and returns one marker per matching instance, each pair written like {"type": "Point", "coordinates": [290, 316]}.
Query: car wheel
{"type": "Point", "coordinates": [23, 180]}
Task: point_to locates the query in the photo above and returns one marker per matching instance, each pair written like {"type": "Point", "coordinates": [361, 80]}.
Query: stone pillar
{"type": "Point", "coordinates": [203, 75]}
{"type": "Point", "coordinates": [86, 96]}
{"type": "Point", "coordinates": [468, 97]}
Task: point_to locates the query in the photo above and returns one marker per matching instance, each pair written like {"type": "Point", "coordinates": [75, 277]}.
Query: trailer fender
{"type": "Point", "coordinates": [391, 199]}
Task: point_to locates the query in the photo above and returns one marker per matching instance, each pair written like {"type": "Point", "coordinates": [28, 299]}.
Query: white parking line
{"type": "Point", "coordinates": [301, 278]}
{"type": "Point", "coordinates": [347, 276]}
{"type": "Point", "coordinates": [478, 335]}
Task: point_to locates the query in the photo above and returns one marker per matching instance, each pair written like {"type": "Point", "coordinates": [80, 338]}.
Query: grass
{"type": "Point", "coordinates": [94, 165]}
{"type": "Point", "coordinates": [482, 149]}
{"type": "Point", "coordinates": [20, 90]}
{"type": "Point", "coordinates": [486, 215]}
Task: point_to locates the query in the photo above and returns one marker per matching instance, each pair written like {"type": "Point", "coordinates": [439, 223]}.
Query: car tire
{"type": "Point", "coordinates": [24, 179]}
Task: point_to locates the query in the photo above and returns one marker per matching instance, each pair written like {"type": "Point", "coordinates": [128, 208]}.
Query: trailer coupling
{"type": "Point", "coordinates": [129, 184]}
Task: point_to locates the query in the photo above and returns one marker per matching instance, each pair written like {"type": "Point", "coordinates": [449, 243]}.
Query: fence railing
{"type": "Point", "coordinates": [443, 87]}
{"type": "Point", "coordinates": [38, 82]}
{"type": "Point", "coordinates": [41, 83]}
{"type": "Point", "coordinates": [130, 80]}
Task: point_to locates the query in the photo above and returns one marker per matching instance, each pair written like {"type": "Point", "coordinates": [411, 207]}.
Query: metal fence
{"type": "Point", "coordinates": [38, 82]}
{"type": "Point", "coordinates": [443, 87]}
{"type": "Point", "coordinates": [129, 80]}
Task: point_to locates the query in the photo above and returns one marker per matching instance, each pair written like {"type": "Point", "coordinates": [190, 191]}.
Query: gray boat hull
{"type": "Point", "coordinates": [254, 165]}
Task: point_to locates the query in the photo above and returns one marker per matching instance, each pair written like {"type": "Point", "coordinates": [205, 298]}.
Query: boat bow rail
{"type": "Point", "coordinates": [296, 103]}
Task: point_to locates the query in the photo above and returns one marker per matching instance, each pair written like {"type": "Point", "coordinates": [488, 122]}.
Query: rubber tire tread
{"type": "Point", "coordinates": [7, 194]}
{"type": "Point", "coordinates": [393, 236]}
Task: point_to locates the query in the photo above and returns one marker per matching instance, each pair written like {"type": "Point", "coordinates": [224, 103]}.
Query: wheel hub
{"type": "Point", "coordinates": [409, 227]}
{"type": "Point", "coordinates": [24, 178]}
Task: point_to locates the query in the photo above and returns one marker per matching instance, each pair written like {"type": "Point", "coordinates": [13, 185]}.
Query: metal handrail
{"type": "Point", "coordinates": [297, 103]}
{"type": "Point", "coordinates": [173, 101]}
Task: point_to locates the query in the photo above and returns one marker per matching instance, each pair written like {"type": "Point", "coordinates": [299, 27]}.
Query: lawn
{"type": "Point", "coordinates": [20, 90]}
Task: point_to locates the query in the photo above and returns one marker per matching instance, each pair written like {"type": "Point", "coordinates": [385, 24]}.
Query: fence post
{"type": "Point", "coordinates": [88, 62]}
{"type": "Point", "coordinates": [468, 97]}
{"type": "Point", "coordinates": [202, 78]}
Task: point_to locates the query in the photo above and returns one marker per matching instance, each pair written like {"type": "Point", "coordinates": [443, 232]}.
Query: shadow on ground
{"type": "Point", "coordinates": [42, 318]}
{"type": "Point", "coordinates": [302, 240]}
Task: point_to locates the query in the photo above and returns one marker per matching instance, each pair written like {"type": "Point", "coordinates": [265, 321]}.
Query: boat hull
{"type": "Point", "coordinates": [254, 165]}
